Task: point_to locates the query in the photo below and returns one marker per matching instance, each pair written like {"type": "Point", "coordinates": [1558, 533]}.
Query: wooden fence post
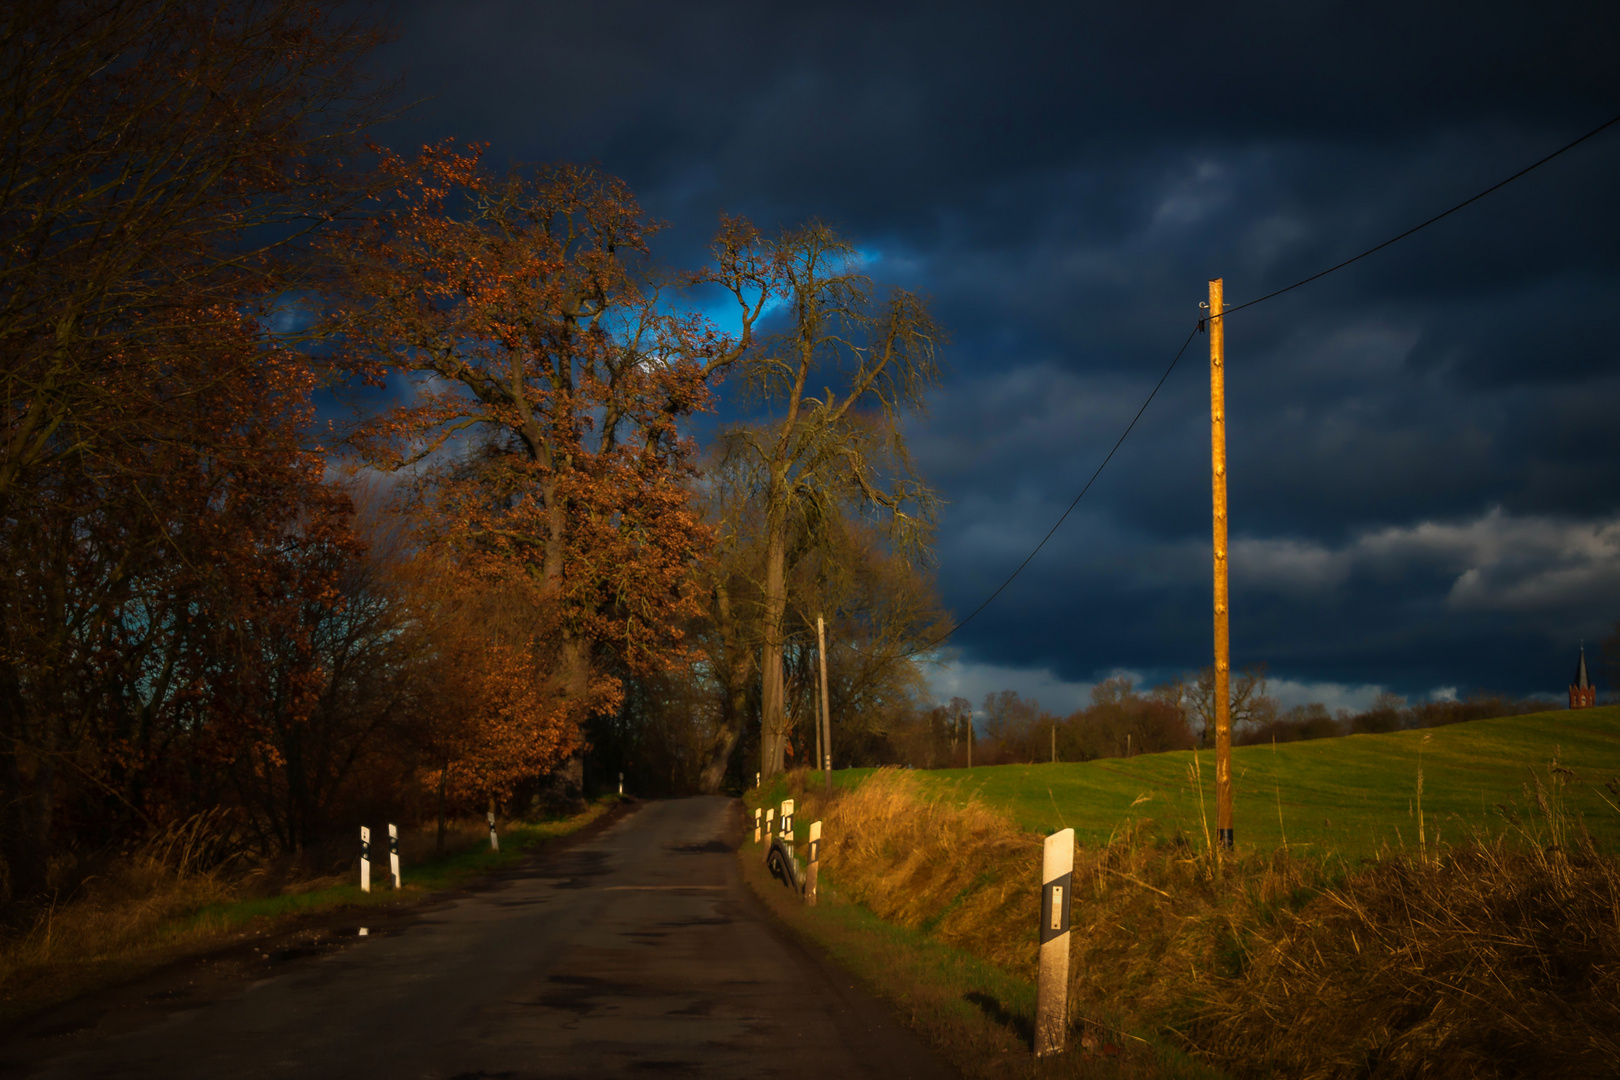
{"type": "Point", "coordinates": [365, 859]}
{"type": "Point", "coordinates": [1052, 985]}
{"type": "Point", "coordinates": [815, 864]}
{"type": "Point", "coordinates": [393, 854]}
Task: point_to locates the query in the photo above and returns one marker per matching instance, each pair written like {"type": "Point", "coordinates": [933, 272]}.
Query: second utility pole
{"type": "Point", "coordinates": [826, 712]}
{"type": "Point", "coordinates": [1223, 634]}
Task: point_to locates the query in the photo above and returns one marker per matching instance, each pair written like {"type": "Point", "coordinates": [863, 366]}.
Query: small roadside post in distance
{"type": "Point", "coordinates": [494, 841]}
{"type": "Point", "coordinates": [1052, 985]}
{"type": "Point", "coordinates": [393, 854]}
{"type": "Point", "coordinates": [756, 779]}
{"type": "Point", "coordinates": [365, 859]}
{"type": "Point", "coordinates": [759, 821]}
{"type": "Point", "coordinates": [815, 864]}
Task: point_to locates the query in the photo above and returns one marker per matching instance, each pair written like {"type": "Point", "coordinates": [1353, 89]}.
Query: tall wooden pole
{"type": "Point", "coordinates": [1223, 636]}
{"type": "Point", "coordinates": [826, 711]}
{"type": "Point", "coordinates": [821, 698]}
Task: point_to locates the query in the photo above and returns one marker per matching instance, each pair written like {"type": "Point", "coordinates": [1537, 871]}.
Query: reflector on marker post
{"type": "Point", "coordinates": [815, 864]}
{"type": "Point", "coordinates": [1052, 987]}
{"type": "Point", "coordinates": [393, 854]}
{"type": "Point", "coordinates": [365, 859]}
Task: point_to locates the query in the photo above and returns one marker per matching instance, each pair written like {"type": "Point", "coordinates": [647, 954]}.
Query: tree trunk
{"type": "Point", "coordinates": [736, 667]}
{"type": "Point", "coordinates": [444, 773]}
{"type": "Point", "coordinates": [773, 713]}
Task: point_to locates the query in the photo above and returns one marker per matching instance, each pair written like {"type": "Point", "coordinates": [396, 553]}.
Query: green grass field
{"type": "Point", "coordinates": [1351, 796]}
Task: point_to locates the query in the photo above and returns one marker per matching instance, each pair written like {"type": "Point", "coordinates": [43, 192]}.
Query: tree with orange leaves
{"type": "Point", "coordinates": [548, 384]}
{"type": "Point", "coordinates": [162, 165]}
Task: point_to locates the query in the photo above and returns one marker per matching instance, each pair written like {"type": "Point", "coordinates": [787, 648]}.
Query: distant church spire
{"type": "Point", "coordinates": [1582, 694]}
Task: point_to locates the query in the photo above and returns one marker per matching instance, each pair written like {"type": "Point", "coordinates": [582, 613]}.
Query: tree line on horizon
{"type": "Point", "coordinates": [1124, 720]}
{"type": "Point", "coordinates": [340, 482]}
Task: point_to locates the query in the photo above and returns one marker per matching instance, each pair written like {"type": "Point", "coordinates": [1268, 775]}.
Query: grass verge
{"type": "Point", "coordinates": [154, 909]}
{"type": "Point", "coordinates": [1486, 955]}
{"type": "Point", "coordinates": [976, 1015]}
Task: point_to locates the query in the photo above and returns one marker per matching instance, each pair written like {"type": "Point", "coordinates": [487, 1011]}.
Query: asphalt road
{"type": "Point", "coordinates": [637, 952]}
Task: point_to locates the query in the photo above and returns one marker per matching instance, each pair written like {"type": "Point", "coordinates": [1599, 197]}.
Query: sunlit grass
{"type": "Point", "coordinates": [1350, 796]}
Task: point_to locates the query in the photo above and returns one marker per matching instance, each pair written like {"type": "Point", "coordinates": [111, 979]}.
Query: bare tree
{"type": "Point", "coordinates": [1251, 705]}
{"type": "Point", "coordinates": [816, 453]}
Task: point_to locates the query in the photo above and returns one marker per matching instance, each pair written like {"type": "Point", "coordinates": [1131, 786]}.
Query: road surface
{"type": "Point", "coordinates": [636, 952]}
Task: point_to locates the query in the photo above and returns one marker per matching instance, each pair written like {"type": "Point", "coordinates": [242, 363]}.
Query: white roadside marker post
{"type": "Point", "coordinates": [1052, 986]}
{"type": "Point", "coordinates": [815, 864]}
{"type": "Point", "coordinates": [494, 841]}
{"type": "Point", "coordinates": [393, 854]}
{"type": "Point", "coordinates": [621, 783]}
{"type": "Point", "coordinates": [770, 826]}
{"type": "Point", "coordinates": [787, 824]}
{"type": "Point", "coordinates": [756, 779]}
{"type": "Point", "coordinates": [365, 859]}
{"type": "Point", "coordinates": [759, 821]}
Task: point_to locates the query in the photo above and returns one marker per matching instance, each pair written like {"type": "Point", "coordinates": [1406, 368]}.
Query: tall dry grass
{"type": "Point", "coordinates": [126, 909]}
{"type": "Point", "coordinates": [1495, 957]}
{"type": "Point", "coordinates": [107, 912]}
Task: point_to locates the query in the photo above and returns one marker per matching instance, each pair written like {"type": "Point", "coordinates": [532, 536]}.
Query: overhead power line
{"type": "Point", "coordinates": [1226, 314]}
{"type": "Point", "coordinates": [1500, 184]}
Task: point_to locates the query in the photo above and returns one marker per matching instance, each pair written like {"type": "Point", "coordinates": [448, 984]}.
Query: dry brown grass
{"type": "Point", "coordinates": [1496, 957]}
{"type": "Point", "coordinates": [132, 912]}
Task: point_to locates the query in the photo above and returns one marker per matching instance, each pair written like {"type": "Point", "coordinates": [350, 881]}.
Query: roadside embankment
{"type": "Point", "coordinates": [1491, 955]}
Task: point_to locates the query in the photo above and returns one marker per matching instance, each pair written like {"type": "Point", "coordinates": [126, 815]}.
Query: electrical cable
{"type": "Point", "coordinates": [1098, 472]}
{"type": "Point", "coordinates": [1226, 313]}
{"type": "Point", "coordinates": [1445, 214]}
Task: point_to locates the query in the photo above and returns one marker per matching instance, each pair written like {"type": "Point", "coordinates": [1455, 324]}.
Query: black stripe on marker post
{"type": "Point", "coordinates": [1058, 891]}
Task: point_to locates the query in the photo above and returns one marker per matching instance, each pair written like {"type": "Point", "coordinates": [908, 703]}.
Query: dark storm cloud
{"type": "Point", "coordinates": [1424, 469]}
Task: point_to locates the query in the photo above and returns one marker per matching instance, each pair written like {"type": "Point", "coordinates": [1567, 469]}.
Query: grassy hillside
{"type": "Point", "coordinates": [1351, 796]}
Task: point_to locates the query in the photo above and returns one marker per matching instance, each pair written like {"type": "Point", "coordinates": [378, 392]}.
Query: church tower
{"type": "Point", "coordinates": [1582, 694]}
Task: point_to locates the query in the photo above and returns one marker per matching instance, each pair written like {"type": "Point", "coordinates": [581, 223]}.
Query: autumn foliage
{"type": "Point", "coordinates": [338, 482]}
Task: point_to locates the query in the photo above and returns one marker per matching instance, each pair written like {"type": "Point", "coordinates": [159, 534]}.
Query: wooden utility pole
{"type": "Point", "coordinates": [824, 732]}
{"type": "Point", "coordinates": [1223, 636]}
{"type": "Point", "coordinates": [820, 698]}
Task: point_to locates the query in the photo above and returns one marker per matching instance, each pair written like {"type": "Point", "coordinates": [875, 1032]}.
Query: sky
{"type": "Point", "coordinates": [1424, 447]}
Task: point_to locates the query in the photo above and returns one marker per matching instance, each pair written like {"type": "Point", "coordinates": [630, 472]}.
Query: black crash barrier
{"type": "Point", "coordinates": [783, 866]}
